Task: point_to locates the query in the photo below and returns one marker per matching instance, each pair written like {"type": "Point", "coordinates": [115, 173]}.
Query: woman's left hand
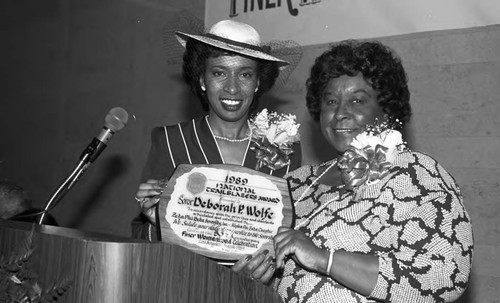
{"type": "Point", "coordinates": [294, 243]}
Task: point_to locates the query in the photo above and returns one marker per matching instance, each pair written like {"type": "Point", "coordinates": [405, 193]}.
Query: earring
{"type": "Point", "coordinates": [256, 89]}
{"type": "Point", "coordinates": [203, 88]}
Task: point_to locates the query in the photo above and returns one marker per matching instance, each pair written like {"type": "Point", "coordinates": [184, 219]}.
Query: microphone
{"type": "Point", "coordinates": [115, 121]}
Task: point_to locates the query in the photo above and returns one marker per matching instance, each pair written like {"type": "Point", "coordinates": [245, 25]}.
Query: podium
{"type": "Point", "coordinates": [107, 268]}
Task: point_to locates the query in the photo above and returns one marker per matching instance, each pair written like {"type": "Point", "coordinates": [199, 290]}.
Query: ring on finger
{"type": "Point", "coordinates": [140, 200]}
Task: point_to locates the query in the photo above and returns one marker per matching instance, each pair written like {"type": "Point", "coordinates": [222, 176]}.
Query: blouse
{"type": "Point", "coordinates": [413, 220]}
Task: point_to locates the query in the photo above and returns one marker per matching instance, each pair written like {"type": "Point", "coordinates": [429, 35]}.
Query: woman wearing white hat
{"type": "Point", "coordinates": [228, 69]}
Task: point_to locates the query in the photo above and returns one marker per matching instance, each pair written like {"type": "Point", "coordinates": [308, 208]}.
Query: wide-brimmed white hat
{"type": "Point", "coordinates": [234, 36]}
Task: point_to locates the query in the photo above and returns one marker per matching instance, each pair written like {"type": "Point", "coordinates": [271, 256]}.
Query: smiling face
{"type": "Point", "coordinates": [347, 106]}
{"type": "Point", "coordinates": [230, 83]}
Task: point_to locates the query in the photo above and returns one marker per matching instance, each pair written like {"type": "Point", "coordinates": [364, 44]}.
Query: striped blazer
{"type": "Point", "coordinates": [190, 142]}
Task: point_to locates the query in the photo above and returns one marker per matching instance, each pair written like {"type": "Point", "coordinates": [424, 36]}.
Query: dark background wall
{"type": "Point", "coordinates": [63, 66]}
{"type": "Point", "coordinates": [65, 63]}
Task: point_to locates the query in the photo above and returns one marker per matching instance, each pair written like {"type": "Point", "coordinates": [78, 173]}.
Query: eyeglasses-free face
{"type": "Point", "coordinates": [347, 106]}
{"type": "Point", "coordinates": [230, 83]}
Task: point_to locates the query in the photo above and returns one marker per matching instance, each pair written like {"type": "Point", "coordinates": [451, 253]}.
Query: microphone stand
{"type": "Point", "coordinates": [115, 120]}
{"type": "Point", "coordinates": [64, 188]}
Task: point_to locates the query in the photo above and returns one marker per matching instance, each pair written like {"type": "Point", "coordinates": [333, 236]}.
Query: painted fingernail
{"type": "Point", "coordinates": [269, 259]}
{"type": "Point", "coordinates": [163, 183]}
{"type": "Point", "coordinates": [248, 257]}
{"type": "Point", "coordinates": [272, 267]}
{"type": "Point", "coordinates": [265, 251]}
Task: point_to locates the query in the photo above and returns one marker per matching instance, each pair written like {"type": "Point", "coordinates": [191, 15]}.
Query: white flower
{"type": "Point", "coordinates": [277, 128]}
{"type": "Point", "coordinates": [273, 135]}
{"type": "Point", "coordinates": [261, 121]}
{"type": "Point", "coordinates": [370, 155]}
{"type": "Point", "coordinates": [289, 125]}
{"type": "Point", "coordinates": [393, 140]}
{"type": "Point", "coordinates": [389, 138]}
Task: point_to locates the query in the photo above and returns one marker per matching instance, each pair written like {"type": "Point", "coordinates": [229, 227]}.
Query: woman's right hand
{"type": "Point", "coordinates": [148, 196]}
{"type": "Point", "coordinates": [260, 267]}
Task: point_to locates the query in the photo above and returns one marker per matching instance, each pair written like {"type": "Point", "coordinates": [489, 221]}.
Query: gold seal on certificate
{"type": "Point", "coordinates": [223, 211]}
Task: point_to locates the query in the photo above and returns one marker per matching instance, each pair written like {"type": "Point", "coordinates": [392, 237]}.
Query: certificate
{"type": "Point", "coordinates": [224, 211]}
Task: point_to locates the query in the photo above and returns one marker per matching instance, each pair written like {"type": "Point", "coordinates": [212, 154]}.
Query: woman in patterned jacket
{"type": "Point", "coordinates": [228, 69]}
{"type": "Point", "coordinates": [405, 235]}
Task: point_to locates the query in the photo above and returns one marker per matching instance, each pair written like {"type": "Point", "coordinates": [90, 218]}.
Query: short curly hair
{"type": "Point", "coordinates": [194, 64]}
{"type": "Point", "coordinates": [380, 67]}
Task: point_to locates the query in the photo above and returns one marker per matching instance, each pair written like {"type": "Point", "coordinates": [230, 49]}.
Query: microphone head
{"type": "Point", "coordinates": [116, 119]}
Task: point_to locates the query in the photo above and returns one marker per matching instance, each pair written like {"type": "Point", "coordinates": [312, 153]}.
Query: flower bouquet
{"type": "Point", "coordinates": [273, 135]}
{"type": "Point", "coordinates": [371, 155]}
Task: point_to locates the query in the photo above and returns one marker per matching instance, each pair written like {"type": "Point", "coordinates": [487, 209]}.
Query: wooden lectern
{"type": "Point", "coordinates": [108, 268]}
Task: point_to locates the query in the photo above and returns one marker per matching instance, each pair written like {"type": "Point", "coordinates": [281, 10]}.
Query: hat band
{"type": "Point", "coordinates": [235, 43]}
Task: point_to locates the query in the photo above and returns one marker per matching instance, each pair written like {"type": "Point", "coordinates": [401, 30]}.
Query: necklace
{"type": "Point", "coordinates": [321, 207]}
{"type": "Point", "coordinates": [229, 139]}
{"type": "Point", "coordinates": [314, 181]}
{"type": "Point", "coordinates": [217, 144]}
